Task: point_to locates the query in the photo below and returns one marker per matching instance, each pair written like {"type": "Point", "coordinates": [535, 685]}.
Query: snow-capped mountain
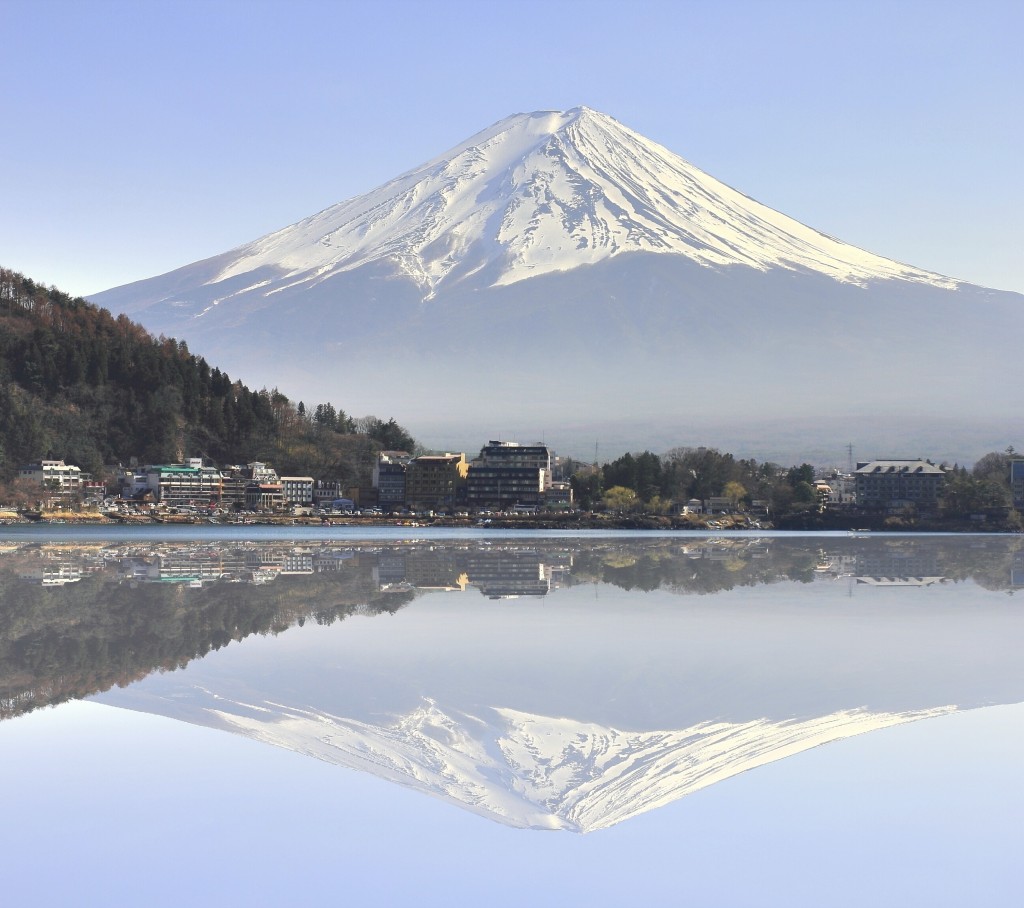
{"type": "Point", "coordinates": [565, 237]}
{"type": "Point", "coordinates": [545, 192]}
{"type": "Point", "coordinates": [540, 772]}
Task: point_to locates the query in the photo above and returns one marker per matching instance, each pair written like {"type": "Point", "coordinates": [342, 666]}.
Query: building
{"type": "Point", "coordinates": [264, 496]}
{"type": "Point", "coordinates": [718, 504]}
{"type": "Point", "coordinates": [260, 472]}
{"type": "Point", "coordinates": [234, 479]}
{"type": "Point", "coordinates": [1017, 483]}
{"type": "Point", "coordinates": [896, 485]}
{"type": "Point", "coordinates": [435, 481]}
{"type": "Point", "coordinates": [513, 454]}
{"type": "Point", "coordinates": [389, 479]}
{"type": "Point", "coordinates": [180, 485]}
{"type": "Point", "coordinates": [507, 475]}
{"type": "Point", "coordinates": [297, 490]}
{"type": "Point", "coordinates": [60, 478]}
{"type": "Point", "coordinates": [836, 489]}
{"type": "Point", "coordinates": [325, 492]}
{"type": "Point", "coordinates": [558, 495]}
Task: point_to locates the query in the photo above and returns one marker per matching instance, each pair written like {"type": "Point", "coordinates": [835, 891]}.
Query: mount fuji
{"type": "Point", "coordinates": [559, 272]}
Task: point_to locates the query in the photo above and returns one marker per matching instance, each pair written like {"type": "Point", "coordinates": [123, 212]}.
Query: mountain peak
{"type": "Point", "coordinates": [546, 192]}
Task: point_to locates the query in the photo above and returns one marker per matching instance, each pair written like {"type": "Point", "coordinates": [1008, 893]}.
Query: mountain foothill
{"type": "Point", "coordinates": [78, 384]}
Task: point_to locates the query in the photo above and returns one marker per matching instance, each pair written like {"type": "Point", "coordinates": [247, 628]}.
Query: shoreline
{"type": "Point", "coordinates": [579, 521]}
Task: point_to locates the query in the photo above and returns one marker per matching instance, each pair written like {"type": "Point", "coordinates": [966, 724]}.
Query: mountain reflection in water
{"type": "Point", "coordinates": [597, 679]}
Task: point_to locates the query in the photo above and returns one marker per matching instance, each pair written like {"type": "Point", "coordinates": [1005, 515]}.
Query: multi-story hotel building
{"type": "Point", "coordinates": [434, 481]}
{"type": "Point", "coordinates": [177, 485]}
{"type": "Point", "coordinates": [891, 485]}
{"type": "Point", "coordinates": [507, 474]}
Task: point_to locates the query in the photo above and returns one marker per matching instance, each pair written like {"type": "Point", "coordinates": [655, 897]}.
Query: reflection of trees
{"type": "Point", "coordinates": [59, 644]}
{"type": "Point", "coordinates": [710, 566]}
{"type": "Point", "coordinates": [727, 562]}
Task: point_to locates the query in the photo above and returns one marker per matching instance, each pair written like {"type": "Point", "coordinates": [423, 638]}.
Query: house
{"type": "Point", "coordinates": [719, 504]}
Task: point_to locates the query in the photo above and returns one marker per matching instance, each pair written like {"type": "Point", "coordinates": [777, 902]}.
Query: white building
{"type": "Point", "coordinates": [188, 484]}
{"type": "Point", "coordinates": [54, 475]}
{"type": "Point", "coordinates": [298, 490]}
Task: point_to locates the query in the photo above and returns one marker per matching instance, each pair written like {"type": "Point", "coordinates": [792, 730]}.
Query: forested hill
{"type": "Point", "coordinates": [80, 385]}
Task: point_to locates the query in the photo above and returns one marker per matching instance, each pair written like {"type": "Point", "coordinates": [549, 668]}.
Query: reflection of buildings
{"type": "Point", "coordinates": [390, 571]}
{"type": "Point", "coordinates": [509, 568]}
{"type": "Point", "coordinates": [298, 561]}
{"type": "Point", "coordinates": [498, 573]}
{"type": "Point", "coordinates": [898, 566]}
{"type": "Point", "coordinates": [330, 560]}
{"type": "Point", "coordinates": [899, 581]}
{"type": "Point", "coordinates": [425, 569]}
{"type": "Point", "coordinates": [1017, 570]}
{"type": "Point", "coordinates": [506, 574]}
{"type": "Point", "coordinates": [252, 564]}
{"type": "Point", "coordinates": [174, 566]}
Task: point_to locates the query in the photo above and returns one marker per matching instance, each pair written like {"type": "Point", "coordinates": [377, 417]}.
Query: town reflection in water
{"type": "Point", "coordinates": [597, 679]}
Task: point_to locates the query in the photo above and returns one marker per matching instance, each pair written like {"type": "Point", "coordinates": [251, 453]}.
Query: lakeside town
{"type": "Point", "coordinates": [528, 485]}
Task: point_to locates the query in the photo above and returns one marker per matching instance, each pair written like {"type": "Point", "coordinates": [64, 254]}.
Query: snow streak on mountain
{"type": "Point", "coordinates": [544, 192]}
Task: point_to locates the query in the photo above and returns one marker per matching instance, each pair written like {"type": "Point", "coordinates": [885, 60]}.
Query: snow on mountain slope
{"type": "Point", "coordinates": [542, 772]}
{"type": "Point", "coordinates": [540, 193]}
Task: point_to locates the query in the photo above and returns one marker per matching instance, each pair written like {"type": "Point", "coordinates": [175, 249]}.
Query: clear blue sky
{"type": "Point", "coordinates": [141, 136]}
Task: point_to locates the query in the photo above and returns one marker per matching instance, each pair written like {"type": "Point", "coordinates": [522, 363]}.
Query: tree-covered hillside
{"type": "Point", "coordinates": [79, 384]}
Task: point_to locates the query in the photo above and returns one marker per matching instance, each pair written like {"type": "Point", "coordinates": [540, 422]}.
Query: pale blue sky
{"type": "Point", "coordinates": [142, 136]}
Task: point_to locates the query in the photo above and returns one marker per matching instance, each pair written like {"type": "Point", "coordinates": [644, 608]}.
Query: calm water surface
{"type": "Point", "coordinates": [257, 716]}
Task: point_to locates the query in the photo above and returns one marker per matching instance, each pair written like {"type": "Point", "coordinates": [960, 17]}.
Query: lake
{"type": "Point", "coordinates": [258, 716]}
